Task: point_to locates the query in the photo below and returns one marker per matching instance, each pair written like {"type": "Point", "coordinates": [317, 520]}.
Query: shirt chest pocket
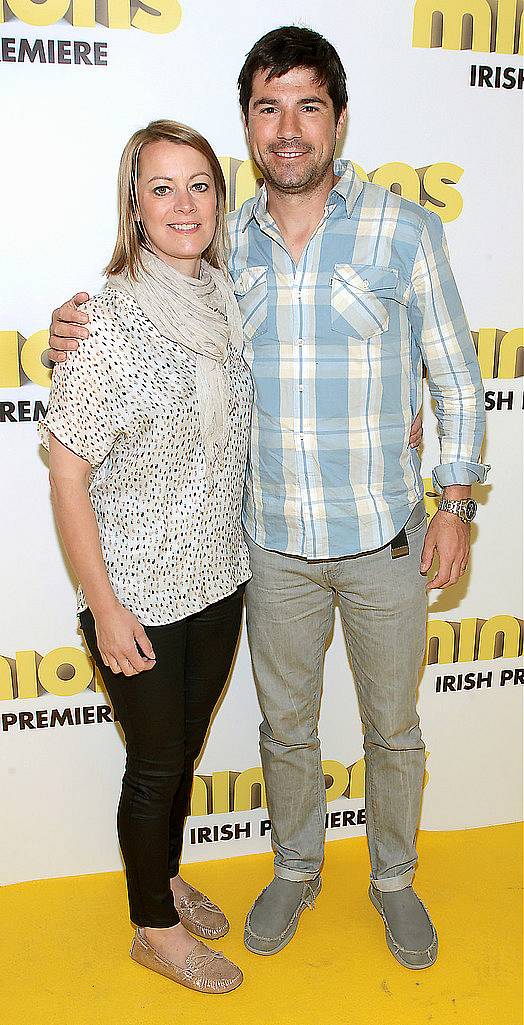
{"type": "Point", "coordinates": [358, 309]}
{"type": "Point", "coordinates": [250, 290]}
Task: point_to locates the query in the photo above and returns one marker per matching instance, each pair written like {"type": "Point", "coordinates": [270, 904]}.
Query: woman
{"type": "Point", "coordinates": [147, 430]}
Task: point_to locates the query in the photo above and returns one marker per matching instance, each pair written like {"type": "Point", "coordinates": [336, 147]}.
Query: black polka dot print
{"type": "Point", "coordinates": [126, 402]}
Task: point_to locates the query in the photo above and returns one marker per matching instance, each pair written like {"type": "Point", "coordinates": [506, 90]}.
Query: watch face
{"type": "Point", "coordinates": [471, 509]}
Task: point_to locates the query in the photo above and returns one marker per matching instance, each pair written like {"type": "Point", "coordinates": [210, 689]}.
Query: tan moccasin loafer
{"type": "Point", "coordinates": [200, 916]}
{"type": "Point", "coordinates": [204, 970]}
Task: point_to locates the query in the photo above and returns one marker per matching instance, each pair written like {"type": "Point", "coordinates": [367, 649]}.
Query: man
{"type": "Point", "coordinates": [345, 290]}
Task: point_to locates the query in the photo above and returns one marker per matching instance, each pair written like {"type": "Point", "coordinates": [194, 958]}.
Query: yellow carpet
{"type": "Point", "coordinates": [64, 947]}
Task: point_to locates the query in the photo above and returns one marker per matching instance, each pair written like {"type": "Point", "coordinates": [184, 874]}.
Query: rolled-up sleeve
{"type": "Point", "coordinates": [85, 407]}
{"type": "Point", "coordinates": [440, 328]}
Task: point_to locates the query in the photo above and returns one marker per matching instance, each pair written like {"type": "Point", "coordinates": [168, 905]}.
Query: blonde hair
{"type": "Point", "coordinates": [130, 236]}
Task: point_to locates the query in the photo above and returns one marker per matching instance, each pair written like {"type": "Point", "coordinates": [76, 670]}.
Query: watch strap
{"type": "Point", "coordinates": [459, 507]}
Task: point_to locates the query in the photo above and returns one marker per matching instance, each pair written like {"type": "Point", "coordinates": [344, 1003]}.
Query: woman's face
{"type": "Point", "coordinates": [177, 202]}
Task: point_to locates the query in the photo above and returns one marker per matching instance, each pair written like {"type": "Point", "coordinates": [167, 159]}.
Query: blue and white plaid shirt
{"type": "Point", "coordinates": [336, 345]}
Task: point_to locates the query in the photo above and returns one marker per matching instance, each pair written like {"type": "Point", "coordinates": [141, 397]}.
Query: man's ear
{"type": "Point", "coordinates": [341, 123]}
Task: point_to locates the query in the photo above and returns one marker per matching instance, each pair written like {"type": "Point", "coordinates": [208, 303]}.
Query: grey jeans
{"type": "Point", "coordinates": [290, 608]}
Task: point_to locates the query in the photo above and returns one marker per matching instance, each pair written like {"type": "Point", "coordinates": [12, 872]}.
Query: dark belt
{"type": "Point", "coordinates": [399, 545]}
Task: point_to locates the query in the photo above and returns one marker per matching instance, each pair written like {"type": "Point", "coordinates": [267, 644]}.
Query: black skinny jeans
{"type": "Point", "coordinates": [165, 713]}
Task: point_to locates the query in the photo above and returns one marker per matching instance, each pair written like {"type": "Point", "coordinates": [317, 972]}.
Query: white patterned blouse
{"type": "Point", "coordinates": [126, 402]}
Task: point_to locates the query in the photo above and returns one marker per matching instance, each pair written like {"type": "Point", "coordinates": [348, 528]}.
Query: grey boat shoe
{"type": "Point", "coordinates": [273, 919]}
{"type": "Point", "coordinates": [410, 933]}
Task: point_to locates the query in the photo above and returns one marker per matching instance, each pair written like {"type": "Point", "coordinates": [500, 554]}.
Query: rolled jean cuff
{"type": "Point", "coordinates": [293, 876]}
{"type": "Point", "coordinates": [394, 882]}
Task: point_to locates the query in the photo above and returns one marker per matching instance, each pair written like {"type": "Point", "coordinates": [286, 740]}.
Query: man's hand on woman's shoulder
{"type": "Point", "coordinates": [68, 327]}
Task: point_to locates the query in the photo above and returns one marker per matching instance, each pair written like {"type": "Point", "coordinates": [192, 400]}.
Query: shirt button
{"type": "Point", "coordinates": [302, 437]}
{"type": "Point", "coordinates": [301, 387]}
{"type": "Point", "coordinates": [300, 341]}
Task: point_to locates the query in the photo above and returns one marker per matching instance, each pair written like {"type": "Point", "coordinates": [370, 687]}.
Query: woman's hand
{"type": "Point", "coordinates": [118, 632]}
{"type": "Point", "coordinates": [415, 437]}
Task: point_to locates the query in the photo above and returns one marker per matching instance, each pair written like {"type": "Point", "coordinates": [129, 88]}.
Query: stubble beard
{"type": "Point", "coordinates": [313, 176]}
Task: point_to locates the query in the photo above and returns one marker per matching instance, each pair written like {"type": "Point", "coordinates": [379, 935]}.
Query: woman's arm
{"type": "Point", "coordinates": [118, 630]}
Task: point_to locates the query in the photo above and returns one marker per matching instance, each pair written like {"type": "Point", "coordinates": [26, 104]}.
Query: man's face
{"type": "Point", "coordinates": [292, 130]}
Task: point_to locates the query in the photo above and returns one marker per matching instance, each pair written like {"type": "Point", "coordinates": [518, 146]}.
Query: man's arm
{"type": "Point", "coordinates": [439, 324]}
{"type": "Point", "coordinates": [69, 325]}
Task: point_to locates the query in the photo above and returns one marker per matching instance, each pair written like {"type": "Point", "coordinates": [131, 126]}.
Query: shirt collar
{"type": "Point", "coordinates": [349, 186]}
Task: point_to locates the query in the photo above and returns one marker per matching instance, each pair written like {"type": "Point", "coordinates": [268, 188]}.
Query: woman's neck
{"type": "Point", "coordinates": [189, 268]}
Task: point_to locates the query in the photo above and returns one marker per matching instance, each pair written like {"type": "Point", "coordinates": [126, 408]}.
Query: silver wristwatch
{"type": "Point", "coordinates": [464, 508]}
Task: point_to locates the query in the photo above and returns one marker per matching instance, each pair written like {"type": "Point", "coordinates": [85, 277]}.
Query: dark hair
{"type": "Point", "coordinates": [283, 49]}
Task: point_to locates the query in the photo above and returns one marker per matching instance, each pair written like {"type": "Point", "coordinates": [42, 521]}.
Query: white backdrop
{"type": "Point", "coordinates": [64, 126]}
